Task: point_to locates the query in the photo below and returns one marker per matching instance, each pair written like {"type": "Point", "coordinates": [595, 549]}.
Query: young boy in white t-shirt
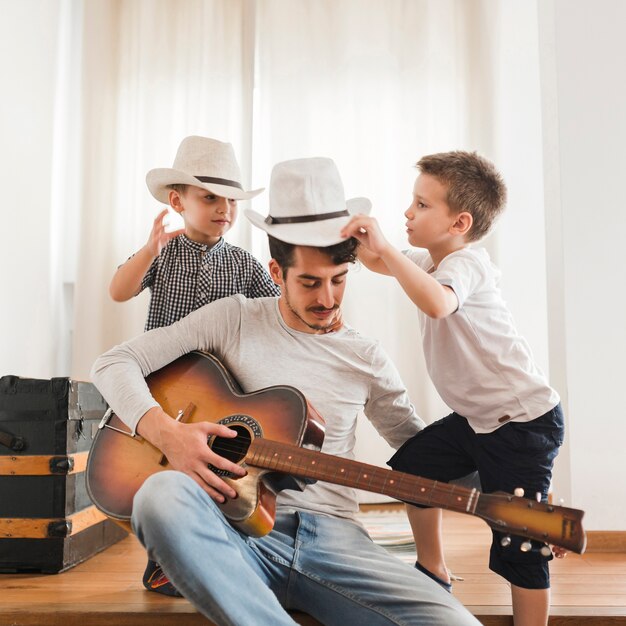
{"type": "Point", "coordinates": [507, 421]}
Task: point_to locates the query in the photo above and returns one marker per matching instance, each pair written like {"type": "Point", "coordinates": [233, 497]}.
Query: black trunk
{"type": "Point", "coordinates": [46, 430]}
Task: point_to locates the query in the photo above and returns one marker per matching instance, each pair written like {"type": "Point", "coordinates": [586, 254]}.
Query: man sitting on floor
{"type": "Point", "coordinates": [317, 559]}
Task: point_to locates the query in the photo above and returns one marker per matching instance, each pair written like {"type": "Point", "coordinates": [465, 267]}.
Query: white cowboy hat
{"type": "Point", "coordinates": [201, 162]}
{"type": "Point", "coordinates": [307, 203]}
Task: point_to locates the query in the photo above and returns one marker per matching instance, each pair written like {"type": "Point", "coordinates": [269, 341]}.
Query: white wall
{"type": "Point", "coordinates": [582, 52]}
{"type": "Point", "coordinates": [28, 50]}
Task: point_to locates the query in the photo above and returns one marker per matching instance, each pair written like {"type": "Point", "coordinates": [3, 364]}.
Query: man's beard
{"type": "Point", "coordinates": [318, 308]}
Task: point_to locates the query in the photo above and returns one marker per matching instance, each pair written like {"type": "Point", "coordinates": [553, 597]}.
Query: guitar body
{"type": "Point", "coordinates": [197, 387]}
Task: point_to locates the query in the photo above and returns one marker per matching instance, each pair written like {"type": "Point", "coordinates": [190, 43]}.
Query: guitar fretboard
{"type": "Point", "coordinates": [303, 463]}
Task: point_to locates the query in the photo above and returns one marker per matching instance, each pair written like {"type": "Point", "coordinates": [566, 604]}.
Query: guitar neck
{"type": "Point", "coordinates": [506, 513]}
{"type": "Point", "coordinates": [303, 463]}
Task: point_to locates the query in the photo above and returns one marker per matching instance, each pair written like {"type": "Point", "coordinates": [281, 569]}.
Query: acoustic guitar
{"type": "Point", "coordinates": [279, 435]}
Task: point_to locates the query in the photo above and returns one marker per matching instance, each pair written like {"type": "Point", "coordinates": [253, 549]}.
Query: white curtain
{"type": "Point", "coordinates": [374, 84]}
{"type": "Point", "coordinates": [154, 72]}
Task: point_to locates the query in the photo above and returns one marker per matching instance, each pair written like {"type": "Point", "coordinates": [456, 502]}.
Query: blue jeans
{"type": "Point", "coordinates": [324, 566]}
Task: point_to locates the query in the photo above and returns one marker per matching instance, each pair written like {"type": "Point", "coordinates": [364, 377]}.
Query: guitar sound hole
{"type": "Point", "coordinates": [234, 449]}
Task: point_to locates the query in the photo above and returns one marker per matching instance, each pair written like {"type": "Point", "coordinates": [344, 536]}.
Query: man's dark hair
{"type": "Point", "coordinates": [343, 252]}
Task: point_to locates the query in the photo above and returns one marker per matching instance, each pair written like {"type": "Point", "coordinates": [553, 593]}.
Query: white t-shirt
{"type": "Point", "coordinates": [340, 373]}
{"type": "Point", "coordinates": [481, 367]}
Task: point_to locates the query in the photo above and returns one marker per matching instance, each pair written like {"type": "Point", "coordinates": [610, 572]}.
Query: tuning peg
{"type": "Point", "coordinates": [545, 551]}
{"type": "Point", "coordinates": [505, 542]}
{"type": "Point", "coordinates": [538, 496]}
{"type": "Point", "coordinates": [526, 546]}
{"type": "Point", "coordinates": [519, 492]}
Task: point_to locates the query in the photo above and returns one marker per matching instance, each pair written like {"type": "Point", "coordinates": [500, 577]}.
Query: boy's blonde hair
{"type": "Point", "coordinates": [474, 185]}
{"type": "Point", "coordinates": [179, 187]}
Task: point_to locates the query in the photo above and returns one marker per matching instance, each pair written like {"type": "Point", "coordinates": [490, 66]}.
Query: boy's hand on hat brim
{"type": "Point", "coordinates": [367, 231]}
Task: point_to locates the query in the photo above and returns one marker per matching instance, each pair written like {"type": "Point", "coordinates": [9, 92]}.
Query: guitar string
{"type": "Point", "coordinates": [438, 493]}
{"type": "Point", "coordinates": [243, 450]}
{"type": "Point", "coordinates": [437, 489]}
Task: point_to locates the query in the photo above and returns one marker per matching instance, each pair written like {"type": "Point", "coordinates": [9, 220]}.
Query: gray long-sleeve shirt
{"type": "Point", "coordinates": [340, 373]}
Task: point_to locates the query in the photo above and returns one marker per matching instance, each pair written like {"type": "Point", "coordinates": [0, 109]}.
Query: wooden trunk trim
{"type": "Point", "coordinates": [39, 465]}
{"type": "Point", "coordinates": [37, 528]}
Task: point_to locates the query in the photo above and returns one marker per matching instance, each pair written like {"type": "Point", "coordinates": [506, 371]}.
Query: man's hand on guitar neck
{"type": "Point", "coordinates": [186, 449]}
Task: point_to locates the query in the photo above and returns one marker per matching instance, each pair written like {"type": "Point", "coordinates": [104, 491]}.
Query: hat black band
{"type": "Point", "coordinates": [300, 219]}
{"type": "Point", "coordinates": [219, 181]}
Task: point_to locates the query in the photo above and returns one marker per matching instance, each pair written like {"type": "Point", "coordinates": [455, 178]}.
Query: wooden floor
{"type": "Point", "coordinates": [106, 590]}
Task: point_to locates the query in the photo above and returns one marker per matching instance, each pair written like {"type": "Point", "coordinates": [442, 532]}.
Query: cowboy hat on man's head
{"type": "Point", "coordinates": [201, 162]}
{"type": "Point", "coordinates": [307, 203]}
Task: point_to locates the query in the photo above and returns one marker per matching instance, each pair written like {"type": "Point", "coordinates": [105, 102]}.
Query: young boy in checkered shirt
{"type": "Point", "coordinates": [188, 268]}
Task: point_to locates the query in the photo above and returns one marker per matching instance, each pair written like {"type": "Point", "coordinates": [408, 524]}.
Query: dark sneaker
{"type": "Point", "coordinates": [154, 579]}
{"type": "Point", "coordinates": [439, 581]}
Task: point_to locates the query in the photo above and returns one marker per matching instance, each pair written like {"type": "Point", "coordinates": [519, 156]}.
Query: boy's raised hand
{"type": "Point", "coordinates": [158, 236]}
{"type": "Point", "coordinates": [367, 231]}
{"type": "Point", "coordinates": [126, 282]}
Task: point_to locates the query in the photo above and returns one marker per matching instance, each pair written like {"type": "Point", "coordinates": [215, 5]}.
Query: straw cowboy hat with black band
{"type": "Point", "coordinates": [307, 204]}
{"type": "Point", "coordinates": [201, 162]}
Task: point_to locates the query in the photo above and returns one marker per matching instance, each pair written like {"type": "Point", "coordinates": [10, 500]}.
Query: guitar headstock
{"type": "Point", "coordinates": [527, 518]}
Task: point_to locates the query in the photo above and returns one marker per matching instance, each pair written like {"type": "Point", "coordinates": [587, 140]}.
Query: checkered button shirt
{"type": "Point", "coordinates": [188, 275]}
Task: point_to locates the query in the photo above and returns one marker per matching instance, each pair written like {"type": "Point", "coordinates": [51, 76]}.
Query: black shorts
{"type": "Point", "coordinates": [518, 454]}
